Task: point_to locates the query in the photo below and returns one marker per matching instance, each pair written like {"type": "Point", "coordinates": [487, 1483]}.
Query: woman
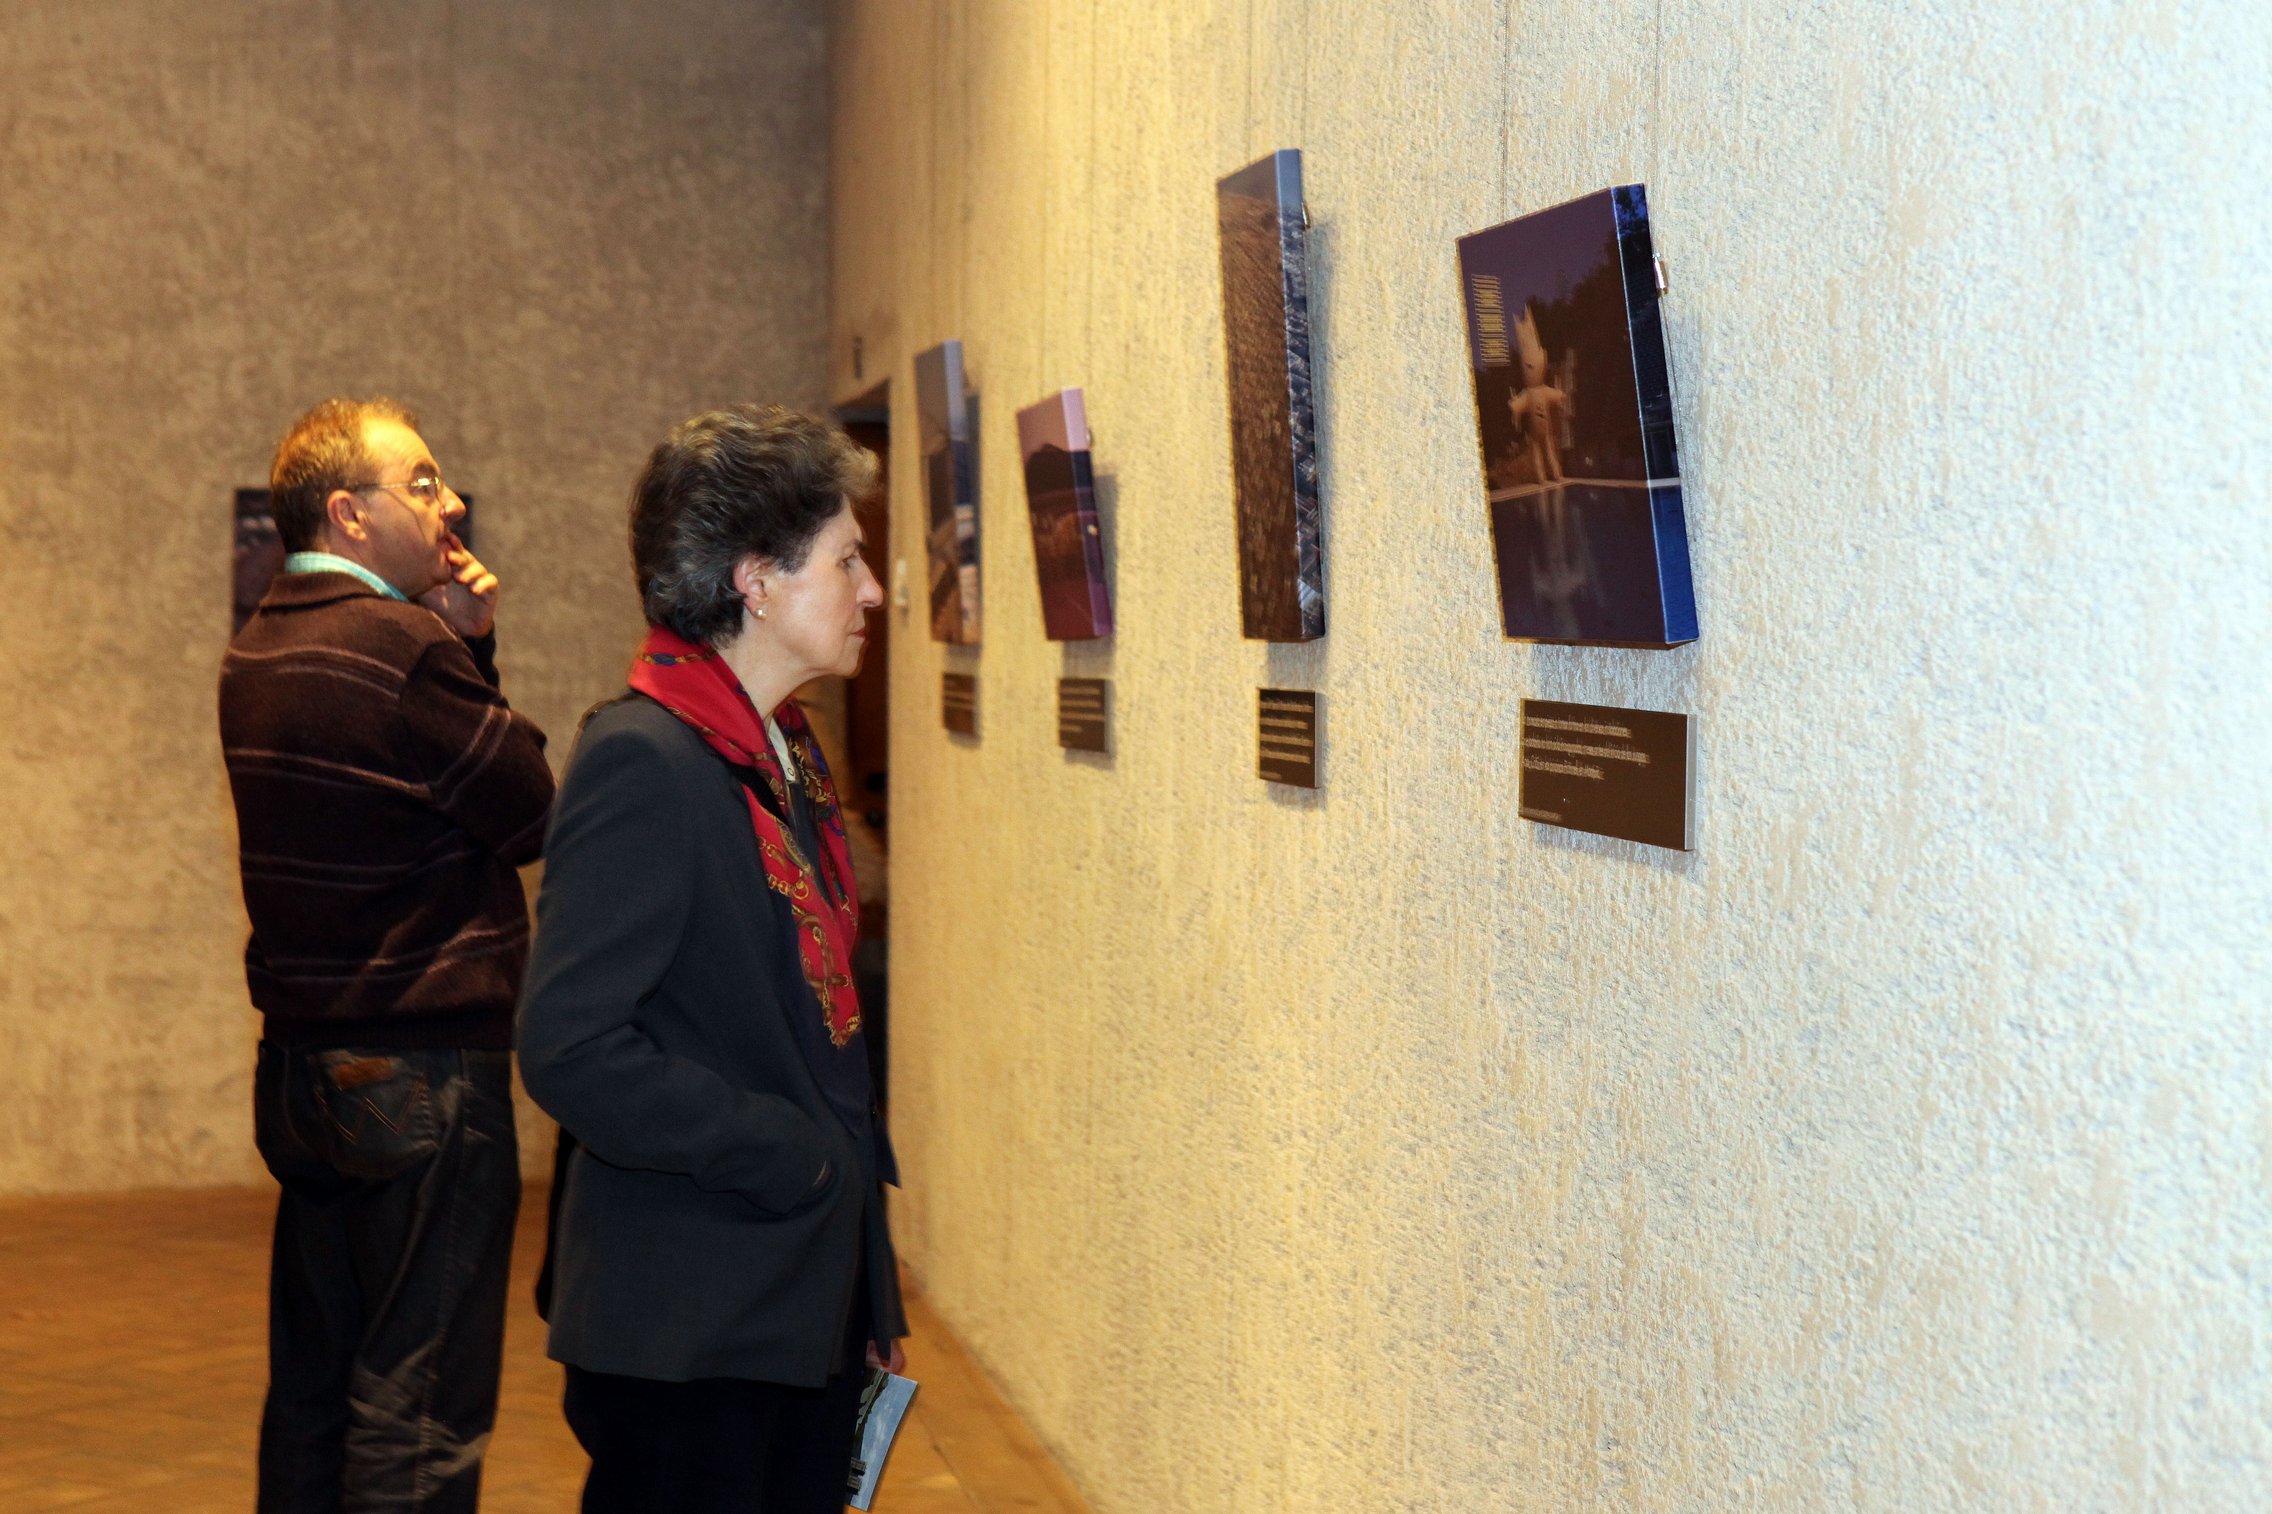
{"type": "Point", "coordinates": [721, 1266]}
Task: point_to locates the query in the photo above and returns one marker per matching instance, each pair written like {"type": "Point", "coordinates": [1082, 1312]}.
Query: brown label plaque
{"type": "Point", "coordinates": [1084, 714]}
{"type": "Point", "coordinates": [1623, 773]}
{"type": "Point", "coordinates": [1288, 737]}
{"type": "Point", "coordinates": [958, 702]}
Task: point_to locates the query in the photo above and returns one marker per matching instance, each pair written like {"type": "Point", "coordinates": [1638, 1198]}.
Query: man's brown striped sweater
{"type": "Point", "coordinates": [385, 794]}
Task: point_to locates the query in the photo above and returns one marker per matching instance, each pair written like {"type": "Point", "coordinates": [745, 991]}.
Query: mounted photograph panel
{"type": "Point", "coordinates": [1573, 408]}
{"type": "Point", "coordinates": [1068, 548]}
{"type": "Point", "coordinates": [1266, 336]}
{"type": "Point", "coordinates": [950, 489]}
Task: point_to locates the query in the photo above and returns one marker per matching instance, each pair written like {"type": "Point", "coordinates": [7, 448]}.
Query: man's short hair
{"type": "Point", "coordinates": [323, 451]}
{"type": "Point", "coordinates": [749, 479]}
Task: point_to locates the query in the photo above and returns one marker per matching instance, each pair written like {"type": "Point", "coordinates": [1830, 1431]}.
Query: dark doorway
{"type": "Point", "coordinates": [866, 781]}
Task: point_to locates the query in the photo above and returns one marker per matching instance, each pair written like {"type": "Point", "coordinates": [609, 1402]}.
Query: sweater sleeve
{"type": "Point", "coordinates": [483, 650]}
{"type": "Point", "coordinates": [482, 763]}
{"type": "Point", "coordinates": [615, 901]}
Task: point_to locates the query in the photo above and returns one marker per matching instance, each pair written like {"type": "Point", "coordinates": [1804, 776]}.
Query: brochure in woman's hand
{"type": "Point", "coordinates": [883, 1404]}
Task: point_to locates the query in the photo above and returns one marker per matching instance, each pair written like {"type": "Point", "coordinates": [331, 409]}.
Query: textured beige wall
{"type": "Point", "coordinates": [552, 226]}
{"type": "Point", "coordinates": [1904, 1148]}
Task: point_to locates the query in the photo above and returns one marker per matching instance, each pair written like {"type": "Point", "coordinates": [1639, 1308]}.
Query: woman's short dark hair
{"type": "Point", "coordinates": [749, 479]}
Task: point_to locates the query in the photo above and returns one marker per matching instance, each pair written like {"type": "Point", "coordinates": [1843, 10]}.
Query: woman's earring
{"type": "Point", "coordinates": [761, 612]}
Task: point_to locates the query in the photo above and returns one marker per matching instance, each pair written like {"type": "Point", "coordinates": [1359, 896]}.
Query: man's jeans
{"type": "Point", "coordinates": [386, 1293]}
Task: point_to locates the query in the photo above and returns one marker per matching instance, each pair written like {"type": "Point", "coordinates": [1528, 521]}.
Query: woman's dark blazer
{"type": "Point", "coordinates": [696, 1236]}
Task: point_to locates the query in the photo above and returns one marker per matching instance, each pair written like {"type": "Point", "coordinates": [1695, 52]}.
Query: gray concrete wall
{"type": "Point", "coordinates": [553, 227]}
{"type": "Point", "coordinates": [1904, 1148]}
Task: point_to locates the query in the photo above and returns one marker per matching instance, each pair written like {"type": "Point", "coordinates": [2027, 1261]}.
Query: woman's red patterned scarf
{"type": "Point", "coordinates": [694, 683]}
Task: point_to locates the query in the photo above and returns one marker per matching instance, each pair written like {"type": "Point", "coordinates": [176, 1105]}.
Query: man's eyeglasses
{"type": "Point", "coordinates": [426, 488]}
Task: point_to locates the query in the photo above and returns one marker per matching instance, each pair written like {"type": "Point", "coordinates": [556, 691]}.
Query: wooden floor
{"type": "Point", "coordinates": [132, 1362]}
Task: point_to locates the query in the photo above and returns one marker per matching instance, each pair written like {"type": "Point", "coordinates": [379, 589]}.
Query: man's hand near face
{"type": "Point", "coordinates": [468, 603]}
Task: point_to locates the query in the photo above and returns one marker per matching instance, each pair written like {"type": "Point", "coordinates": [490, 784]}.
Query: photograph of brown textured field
{"type": "Point", "coordinates": [1266, 335]}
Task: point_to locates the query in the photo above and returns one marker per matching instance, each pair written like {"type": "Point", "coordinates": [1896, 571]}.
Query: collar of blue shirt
{"type": "Point", "coordinates": [326, 562]}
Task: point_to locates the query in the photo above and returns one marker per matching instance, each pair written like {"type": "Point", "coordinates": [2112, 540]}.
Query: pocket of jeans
{"type": "Point", "coordinates": [377, 1110]}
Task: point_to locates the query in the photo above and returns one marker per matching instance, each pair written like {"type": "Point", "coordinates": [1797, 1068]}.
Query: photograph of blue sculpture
{"type": "Point", "coordinates": [950, 488]}
{"type": "Point", "coordinates": [1068, 546]}
{"type": "Point", "coordinates": [1266, 334]}
{"type": "Point", "coordinates": [1573, 406]}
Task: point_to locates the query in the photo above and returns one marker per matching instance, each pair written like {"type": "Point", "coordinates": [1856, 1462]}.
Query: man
{"type": "Point", "coordinates": [385, 794]}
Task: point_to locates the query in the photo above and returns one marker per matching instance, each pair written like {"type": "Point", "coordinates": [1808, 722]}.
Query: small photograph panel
{"type": "Point", "coordinates": [1574, 420]}
{"type": "Point", "coordinates": [950, 491]}
{"type": "Point", "coordinates": [1068, 545]}
{"type": "Point", "coordinates": [1266, 334]}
